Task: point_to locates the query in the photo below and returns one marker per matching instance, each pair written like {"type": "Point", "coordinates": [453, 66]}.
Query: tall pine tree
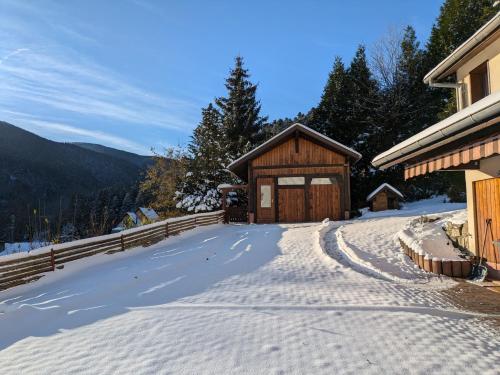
{"type": "Point", "coordinates": [330, 116]}
{"type": "Point", "coordinates": [240, 110]}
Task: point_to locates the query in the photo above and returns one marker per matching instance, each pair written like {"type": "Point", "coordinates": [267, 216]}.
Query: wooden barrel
{"type": "Point", "coordinates": [421, 257]}
{"type": "Point", "coordinates": [456, 268]}
{"type": "Point", "coordinates": [427, 263]}
{"type": "Point", "coordinates": [437, 266]}
{"type": "Point", "coordinates": [447, 270]}
{"type": "Point", "coordinates": [466, 268]}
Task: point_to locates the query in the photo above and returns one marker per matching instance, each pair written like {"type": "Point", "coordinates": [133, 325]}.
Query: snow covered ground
{"type": "Point", "coordinates": [370, 242]}
{"type": "Point", "coordinates": [238, 299]}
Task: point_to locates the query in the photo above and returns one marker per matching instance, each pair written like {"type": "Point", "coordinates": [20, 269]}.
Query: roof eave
{"type": "Point", "coordinates": [438, 72]}
{"type": "Point", "coordinates": [352, 154]}
{"type": "Point", "coordinates": [446, 131]}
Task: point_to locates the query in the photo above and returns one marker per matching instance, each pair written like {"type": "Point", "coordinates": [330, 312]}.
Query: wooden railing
{"type": "Point", "coordinates": [21, 268]}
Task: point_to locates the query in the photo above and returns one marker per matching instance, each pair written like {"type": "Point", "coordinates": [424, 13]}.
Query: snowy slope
{"type": "Point", "coordinates": [235, 299]}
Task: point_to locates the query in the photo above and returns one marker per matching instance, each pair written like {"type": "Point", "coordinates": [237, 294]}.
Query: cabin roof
{"type": "Point", "coordinates": [239, 166]}
{"type": "Point", "coordinates": [382, 187]}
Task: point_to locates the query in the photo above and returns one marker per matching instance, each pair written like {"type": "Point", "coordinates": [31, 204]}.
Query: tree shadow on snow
{"type": "Point", "coordinates": [105, 286]}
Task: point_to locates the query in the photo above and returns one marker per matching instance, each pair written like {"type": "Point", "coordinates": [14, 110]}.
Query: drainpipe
{"type": "Point", "coordinates": [450, 85]}
{"type": "Point", "coordinates": [446, 85]}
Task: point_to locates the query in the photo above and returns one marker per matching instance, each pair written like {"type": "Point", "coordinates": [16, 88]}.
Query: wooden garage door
{"type": "Point", "coordinates": [291, 205]}
{"type": "Point", "coordinates": [487, 203]}
{"type": "Point", "coordinates": [324, 199]}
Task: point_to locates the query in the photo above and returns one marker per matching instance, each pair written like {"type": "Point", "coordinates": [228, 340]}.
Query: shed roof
{"type": "Point", "coordinates": [149, 213]}
{"type": "Point", "coordinates": [382, 187]}
{"type": "Point", "coordinates": [239, 166]}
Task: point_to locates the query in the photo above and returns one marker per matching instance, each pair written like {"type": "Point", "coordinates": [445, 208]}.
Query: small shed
{"type": "Point", "coordinates": [296, 176]}
{"type": "Point", "coordinates": [146, 215]}
{"type": "Point", "coordinates": [130, 220]}
{"type": "Point", "coordinates": [385, 197]}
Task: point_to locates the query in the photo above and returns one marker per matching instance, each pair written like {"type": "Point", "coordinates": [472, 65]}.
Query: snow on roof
{"type": "Point", "coordinates": [290, 129]}
{"type": "Point", "coordinates": [382, 187]}
{"type": "Point", "coordinates": [149, 213]}
{"type": "Point", "coordinates": [133, 216]}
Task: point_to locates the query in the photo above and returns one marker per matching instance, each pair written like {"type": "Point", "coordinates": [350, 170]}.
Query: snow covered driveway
{"type": "Point", "coordinates": [235, 299]}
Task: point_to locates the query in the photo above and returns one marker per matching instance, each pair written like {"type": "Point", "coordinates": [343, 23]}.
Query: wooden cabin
{"type": "Point", "coordinates": [296, 176]}
{"type": "Point", "coordinates": [468, 140]}
{"type": "Point", "coordinates": [385, 197]}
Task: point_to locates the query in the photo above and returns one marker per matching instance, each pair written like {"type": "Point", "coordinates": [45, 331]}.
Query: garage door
{"type": "Point", "coordinates": [487, 204]}
{"type": "Point", "coordinates": [291, 205]}
{"type": "Point", "coordinates": [324, 199]}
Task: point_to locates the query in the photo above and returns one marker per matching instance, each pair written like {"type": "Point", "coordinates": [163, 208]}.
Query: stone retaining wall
{"type": "Point", "coordinates": [458, 234]}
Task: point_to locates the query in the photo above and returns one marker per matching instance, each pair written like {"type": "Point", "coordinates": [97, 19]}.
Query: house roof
{"type": "Point", "coordinates": [149, 213]}
{"type": "Point", "coordinates": [460, 125]}
{"type": "Point", "coordinates": [382, 187]}
{"type": "Point", "coordinates": [238, 166]}
{"type": "Point", "coordinates": [462, 52]}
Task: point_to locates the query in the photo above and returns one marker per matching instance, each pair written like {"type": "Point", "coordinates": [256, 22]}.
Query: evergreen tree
{"type": "Point", "coordinates": [457, 21]}
{"type": "Point", "coordinates": [330, 116]}
{"type": "Point", "coordinates": [240, 110]}
{"type": "Point", "coordinates": [206, 169]}
{"type": "Point", "coordinates": [362, 106]}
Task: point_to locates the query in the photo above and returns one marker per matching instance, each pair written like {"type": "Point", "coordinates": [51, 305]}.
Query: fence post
{"type": "Point", "coordinates": [122, 242]}
{"type": "Point", "coordinates": [166, 229]}
{"type": "Point", "coordinates": [52, 260]}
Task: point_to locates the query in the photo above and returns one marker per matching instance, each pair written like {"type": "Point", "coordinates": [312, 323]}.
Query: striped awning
{"type": "Point", "coordinates": [466, 157]}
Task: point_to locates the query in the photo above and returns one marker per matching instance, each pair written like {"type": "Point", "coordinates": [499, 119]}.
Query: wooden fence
{"type": "Point", "coordinates": [26, 267]}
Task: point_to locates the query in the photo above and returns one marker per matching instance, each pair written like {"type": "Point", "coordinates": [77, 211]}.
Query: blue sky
{"type": "Point", "coordinates": [135, 74]}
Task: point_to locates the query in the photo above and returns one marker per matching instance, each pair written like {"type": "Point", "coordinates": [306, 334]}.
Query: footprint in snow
{"type": "Point", "coordinates": [270, 348]}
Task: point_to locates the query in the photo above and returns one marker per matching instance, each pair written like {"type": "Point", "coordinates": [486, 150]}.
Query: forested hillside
{"type": "Point", "coordinates": [41, 183]}
{"type": "Point", "coordinates": [370, 104]}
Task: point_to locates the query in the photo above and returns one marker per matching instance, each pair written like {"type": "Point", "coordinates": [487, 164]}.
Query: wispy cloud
{"type": "Point", "coordinates": [86, 89]}
{"type": "Point", "coordinates": [53, 82]}
{"type": "Point", "coordinates": [13, 53]}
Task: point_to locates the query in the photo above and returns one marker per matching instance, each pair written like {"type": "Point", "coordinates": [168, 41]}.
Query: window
{"type": "Point", "coordinates": [323, 181]}
{"type": "Point", "coordinates": [479, 84]}
{"type": "Point", "coordinates": [265, 196]}
{"type": "Point", "coordinates": [291, 180]}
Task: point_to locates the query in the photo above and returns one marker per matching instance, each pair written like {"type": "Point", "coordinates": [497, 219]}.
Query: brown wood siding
{"type": "Point", "coordinates": [487, 204]}
{"type": "Point", "coordinates": [309, 153]}
{"type": "Point", "coordinates": [265, 214]}
{"type": "Point", "coordinates": [324, 202]}
{"type": "Point", "coordinates": [291, 205]}
{"type": "Point", "coordinates": [302, 171]}
{"type": "Point", "coordinates": [298, 156]}
{"type": "Point", "coordinates": [380, 201]}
